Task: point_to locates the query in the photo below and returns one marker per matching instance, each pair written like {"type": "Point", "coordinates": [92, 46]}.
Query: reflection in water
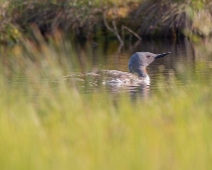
{"type": "Point", "coordinates": [141, 91]}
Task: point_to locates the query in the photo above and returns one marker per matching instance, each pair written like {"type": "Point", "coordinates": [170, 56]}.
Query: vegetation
{"type": "Point", "coordinates": [174, 18]}
{"type": "Point", "coordinates": [46, 122]}
{"type": "Point", "coordinates": [92, 19]}
{"type": "Point", "coordinates": [50, 124]}
{"type": "Point", "coordinates": [63, 129]}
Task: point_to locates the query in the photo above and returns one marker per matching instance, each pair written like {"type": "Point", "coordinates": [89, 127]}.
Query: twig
{"type": "Point", "coordinates": [132, 32]}
{"type": "Point", "coordinates": [113, 30]}
{"type": "Point", "coordinates": [118, 36]}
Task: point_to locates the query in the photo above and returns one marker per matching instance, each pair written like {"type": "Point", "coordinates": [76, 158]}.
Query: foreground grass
{"type": "Point", "coordinates": [62, 129]}
{"type": "Point", "coordinates": [57, 127]}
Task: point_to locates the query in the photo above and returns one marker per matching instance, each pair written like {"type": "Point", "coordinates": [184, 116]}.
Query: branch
{"type": "Point", "coordinates": [132, 32]}
{"type": "Point", "coordinates": [113, 30]}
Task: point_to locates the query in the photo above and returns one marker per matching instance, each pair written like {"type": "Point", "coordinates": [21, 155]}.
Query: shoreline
{"type": "Point", "coordinates": [91, 21]}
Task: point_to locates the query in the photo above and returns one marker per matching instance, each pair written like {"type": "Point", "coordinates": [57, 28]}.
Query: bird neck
{"type": "Point", "coordinates": [142, 72]}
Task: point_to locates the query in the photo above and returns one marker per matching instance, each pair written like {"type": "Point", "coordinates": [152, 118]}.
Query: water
{"type": "Point", "coordinates": [186, 62]}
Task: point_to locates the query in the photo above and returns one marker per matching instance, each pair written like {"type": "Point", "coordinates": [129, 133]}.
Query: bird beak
{"type": "Point", "coordinates": [162, 55]}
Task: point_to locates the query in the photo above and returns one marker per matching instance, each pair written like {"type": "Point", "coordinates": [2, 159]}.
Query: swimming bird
{"type": "Point", "coordinates": [136, 76]}
{"type": "Point", "coordinates": [137, 65]}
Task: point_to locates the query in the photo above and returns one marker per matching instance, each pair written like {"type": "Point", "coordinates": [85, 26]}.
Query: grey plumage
{"type": "Point", "coordinates": [140, 60]}
{"type": "Point", "coordinates": [137, 65]}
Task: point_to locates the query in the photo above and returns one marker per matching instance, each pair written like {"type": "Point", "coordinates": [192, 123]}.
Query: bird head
{"type": "Point", "coordinates": [140, 60]}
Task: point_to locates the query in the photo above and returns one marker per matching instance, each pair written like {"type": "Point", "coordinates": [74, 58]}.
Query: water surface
{"type": "Point", "coordinates": [186, 62]}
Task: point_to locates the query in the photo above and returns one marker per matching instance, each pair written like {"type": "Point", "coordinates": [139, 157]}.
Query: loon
{"type": "Point", "coordinates": [137, 74]}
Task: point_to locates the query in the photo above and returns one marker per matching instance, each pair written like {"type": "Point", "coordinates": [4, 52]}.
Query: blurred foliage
{"type": "Point", "coordinates": [84, 19]}
{"type": "Point", "coordinates": [8, 31]}
{"type": "Point", "coordinates": [173, 18]}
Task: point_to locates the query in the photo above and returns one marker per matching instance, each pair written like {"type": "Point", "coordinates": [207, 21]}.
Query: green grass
{"type": "Point", "coordinates": [63, 129]}
{"type": "Point", "coordinates": [47, 125]}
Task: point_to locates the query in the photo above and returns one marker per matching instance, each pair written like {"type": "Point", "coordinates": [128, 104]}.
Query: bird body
{"type": "Point", "coordinates": [136, 76]}
{"type": "Point", "coordinates": [115, 77]}
{"type": "Point", "coordinates": [137, 65]}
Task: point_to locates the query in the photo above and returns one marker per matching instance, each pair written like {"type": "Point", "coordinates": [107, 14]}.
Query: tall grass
{"type": "Point", "coordinates": [51, 125]}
